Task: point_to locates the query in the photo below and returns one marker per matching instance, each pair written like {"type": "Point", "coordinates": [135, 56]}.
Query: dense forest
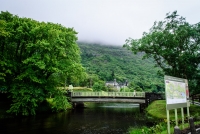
{"type": "Point", "coordinates": [114, 62]}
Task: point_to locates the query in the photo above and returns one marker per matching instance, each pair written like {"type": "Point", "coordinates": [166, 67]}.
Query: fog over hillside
{"type": "Point", "coordinates": [114, 62]}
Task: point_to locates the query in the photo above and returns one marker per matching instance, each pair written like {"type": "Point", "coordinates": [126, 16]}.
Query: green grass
{"type": "Point", "coordinates": [160, 128]}
{"type": "Point", "coordinates": [185, 125]}
{"type": "Point", "coordinates": [78, 89]}
{"type": "Point", "coordinates": [157, 110]}
{"type": "Point", "coordinates": [82, 89]}
{"type": "Point", "coordinates": [135, 130]}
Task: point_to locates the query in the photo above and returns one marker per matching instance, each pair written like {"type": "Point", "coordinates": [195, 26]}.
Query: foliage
{"type": "Point", "coordinates": [174, 45]}
{"type": "Point", "coordinates": [134, 86]}
{"type": "Point", "coordinates": [111, 88]}
{"type": "Point", "coordinates": [36, 57]}
{"type": "Point", "coordinates": [112, 62]}
{"type": "Point", "coordinates": [59, 102]}
{"type": "Point", "coordinates": [89, 80]}
{"type": "Point", "coordinates": [99, 86]}
{"type": "Point", "coordinates": [126, 89]}
{"type": "Point", "coordinates": [3, 34]}
{"type": "Point", "coordinates": [157, 129]}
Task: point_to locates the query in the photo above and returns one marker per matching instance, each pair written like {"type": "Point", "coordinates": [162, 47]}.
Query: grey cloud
{"type": "Point", "coordinates": [106, 21]}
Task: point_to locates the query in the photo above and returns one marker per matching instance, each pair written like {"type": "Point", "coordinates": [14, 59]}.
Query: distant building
{"type": "Point", "coordinates": [116, 85]}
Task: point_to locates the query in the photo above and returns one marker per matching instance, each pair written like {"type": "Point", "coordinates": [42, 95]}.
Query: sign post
{"type": "Point", "coordinates": [177, 96]}
{"type": "Point", "coordinates": [182, 115]}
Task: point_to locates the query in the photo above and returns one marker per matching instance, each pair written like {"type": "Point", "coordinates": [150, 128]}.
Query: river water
{"type": "Point", "coordinates": [95, 118]}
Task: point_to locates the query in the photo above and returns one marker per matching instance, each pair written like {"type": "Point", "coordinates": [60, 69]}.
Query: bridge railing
{"type": "Point", "coordinates": [108, 94]}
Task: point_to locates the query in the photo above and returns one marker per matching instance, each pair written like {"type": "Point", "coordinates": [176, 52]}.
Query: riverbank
{"type": "Point", "coordinates": [157, 111]}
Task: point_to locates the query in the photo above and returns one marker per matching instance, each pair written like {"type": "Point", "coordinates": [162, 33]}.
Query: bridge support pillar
{"type": "Point", "coordinates": [78, 105]}
{"type": "Point", "coordinates": [142, 107]}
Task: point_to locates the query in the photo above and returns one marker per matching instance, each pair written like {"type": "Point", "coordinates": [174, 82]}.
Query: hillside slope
{"type": "Point", "coordinates": [112, 62]}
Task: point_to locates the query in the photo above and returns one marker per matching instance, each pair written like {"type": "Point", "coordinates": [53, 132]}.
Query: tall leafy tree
{"type": "Point", "coordinates": [3, 34]}
{"type": "Point", "coordinates": [174, 44]}
{"type": "Point", "coordinates": [34, 57]}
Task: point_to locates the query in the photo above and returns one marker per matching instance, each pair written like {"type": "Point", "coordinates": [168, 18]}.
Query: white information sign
{"type": "Point", "coordinates": [177, 96]}
{"type": "Point", "coordinates": [176, 92]}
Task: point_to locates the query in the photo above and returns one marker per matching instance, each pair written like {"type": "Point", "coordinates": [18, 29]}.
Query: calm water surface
{"type": "Point", "coordinates": [95, 118]}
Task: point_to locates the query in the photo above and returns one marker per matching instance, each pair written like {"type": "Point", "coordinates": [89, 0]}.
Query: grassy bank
{"type": "Point", "coordinates": [157, 111]}
{"type": "Point", "coordinates": [82, 89]}
{"type": "Point", "coordinates": [78, 89]}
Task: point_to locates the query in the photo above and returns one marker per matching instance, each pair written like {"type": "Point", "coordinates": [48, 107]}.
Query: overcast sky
{"type": "Point", "coordinates": [103, 21]}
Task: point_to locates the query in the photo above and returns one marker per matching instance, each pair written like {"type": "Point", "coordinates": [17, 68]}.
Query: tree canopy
{"type": "Point", "coordinates": [174, 44]}
{"type": "Point", "coordinates": [36, 57]}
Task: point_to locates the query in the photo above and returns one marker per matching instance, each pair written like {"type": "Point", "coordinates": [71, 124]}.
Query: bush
{"type": "Point", "coordinates": [98, 86]}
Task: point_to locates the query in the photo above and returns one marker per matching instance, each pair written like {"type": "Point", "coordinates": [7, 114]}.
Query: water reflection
{"type": "Point", "coordinates": [119, 105]}
{"type": "Point", "coordinates": [95, 118]}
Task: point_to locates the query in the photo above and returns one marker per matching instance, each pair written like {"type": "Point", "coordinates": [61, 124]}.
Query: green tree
{"type": "Point", "coordinates": [35, 56]}
{"type": "Point", "coordinates": [3, 34]}
{"type": "Point", "coordinates": [174, 44]}
{"type": "Point", "coordinates": [89, 80]}
{"type": "Point", "coordinates": [98, 86]}
{"type": "Point", "coordinates": [133, 86]}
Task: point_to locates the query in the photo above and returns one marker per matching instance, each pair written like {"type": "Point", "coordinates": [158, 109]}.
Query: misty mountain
{"type": "Point", "coordinates": [114, 62]}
